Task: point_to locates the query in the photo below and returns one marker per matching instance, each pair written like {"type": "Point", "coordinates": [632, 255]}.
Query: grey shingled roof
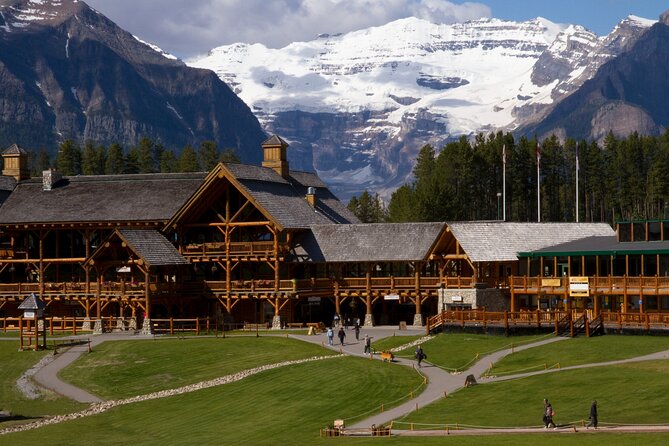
{"type": "Point", "coordinates": [14, 149]}
{"type": "Point", "coordinates": [152, 246]}
{"type": "Point", "coordinates": [501, 241]}
{"type": "Point", "coordinates": [284, 199]}
{"type": "Point", "coordinates": [32, 302]}
{"type": "Point", "coordinates": [604, 245]}
{"type": "Point", "coordinates": [110, 198]}
{"type": "Point", "coordinates": [371, 242]}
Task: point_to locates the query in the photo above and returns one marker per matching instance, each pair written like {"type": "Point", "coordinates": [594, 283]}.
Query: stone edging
{"type": "Point", "coordinates": [412, 344]}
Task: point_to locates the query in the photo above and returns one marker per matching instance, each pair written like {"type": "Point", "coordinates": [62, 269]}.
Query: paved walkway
{"type": "Point", "coordinates": [47, 376]}
{"type": "Point", "coordinates": [440, 382]}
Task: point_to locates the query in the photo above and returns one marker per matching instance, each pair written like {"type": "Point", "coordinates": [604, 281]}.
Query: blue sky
{"type": "Point", "coordinates": [599, 16]}
{"type": "Point", "coordinates": [193, 27]}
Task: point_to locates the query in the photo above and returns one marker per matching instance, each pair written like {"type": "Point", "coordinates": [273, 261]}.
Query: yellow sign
{"type": "Point", "coordinates": [550, 282]}
{"type": "Point", "coordinates": [578, 287]}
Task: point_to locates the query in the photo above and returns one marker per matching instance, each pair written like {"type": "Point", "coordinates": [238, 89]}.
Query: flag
{"type": "Point", "coordinates": [504, 154]}
{"type": "Point", "coordinates": [538, 154]}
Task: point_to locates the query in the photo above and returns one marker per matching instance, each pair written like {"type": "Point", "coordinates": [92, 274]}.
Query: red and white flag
{"type": "Point", "coordinates": [538, 154]}
{"type": "Point", "coordinates": [504, 154]}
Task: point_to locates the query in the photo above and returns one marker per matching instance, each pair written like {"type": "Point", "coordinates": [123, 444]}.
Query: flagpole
{"type": "Point", "coordinates": [504, 182]}
{"type": "Point", "coordinates": [538, 184]}
{"type": "Point", "coordinates": [577, 169]}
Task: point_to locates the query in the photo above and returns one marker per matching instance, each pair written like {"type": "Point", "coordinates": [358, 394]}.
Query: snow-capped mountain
{"type": "Point", "coordinates": [357, 107]}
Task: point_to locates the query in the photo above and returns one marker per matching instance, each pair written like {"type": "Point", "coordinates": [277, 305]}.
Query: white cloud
{"type": "Point", "coordinates": [193, 27]}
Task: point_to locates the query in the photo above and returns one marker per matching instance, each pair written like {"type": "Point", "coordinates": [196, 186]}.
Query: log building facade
{"type": "Point", "coordinates": [265, 244]}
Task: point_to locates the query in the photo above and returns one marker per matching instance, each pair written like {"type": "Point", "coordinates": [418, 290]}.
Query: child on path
{"type": "Point", "coordinates": [330, 335]}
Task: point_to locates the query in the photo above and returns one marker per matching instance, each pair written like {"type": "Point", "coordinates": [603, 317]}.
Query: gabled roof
{"type": "Point", "coordinates": [371, 242]}
{"type": "Point", "coordinates": [501, 241]}
{"type": "Point", "coordinates": [281, 200]}
{"type": "Point", "coordinates": [104, 198]}
{"type": "Point", "coordinates": [152, 247]}
{"type": "Point", "coordinates": [148, 244]}
{"type": "Point", "coordinates": [14, 150]}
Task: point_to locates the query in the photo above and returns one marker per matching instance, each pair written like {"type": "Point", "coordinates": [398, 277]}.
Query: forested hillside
{"type": "Point", "coordinates": [622, 179]}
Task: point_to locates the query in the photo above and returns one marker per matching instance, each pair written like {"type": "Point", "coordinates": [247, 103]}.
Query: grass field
{"type": "Point", "coordinates": [456, 351]}
{"type": "Point", "coordinates": [577, 351]}
{"type": "Point", "coordinates": [289, 405]}
{"type": "Point", "coordinates": [123, 369]}
{"type": "Point", "coordinates": [392, 342]}
{"type": "Point", "coordinates": [12, 364]}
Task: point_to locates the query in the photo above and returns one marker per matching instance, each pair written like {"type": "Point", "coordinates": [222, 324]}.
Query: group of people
{"type": "Point", "coordinates": [549, 413]}
{"type": "Point", "coordinates": [341, 334]}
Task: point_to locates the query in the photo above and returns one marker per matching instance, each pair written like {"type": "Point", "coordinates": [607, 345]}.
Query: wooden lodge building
{"type": "Point", "coordinates": [264, 244]}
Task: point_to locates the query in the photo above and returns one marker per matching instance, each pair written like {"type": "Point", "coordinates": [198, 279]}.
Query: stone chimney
{"type": "Point", "coordinates": [15, 161]}
{"type": "Point", "coordinates": [274, 151]}
{"type": "Point", "coordinates": [50, 178]}
{"type": "Point", "coordinates": [311, 196]}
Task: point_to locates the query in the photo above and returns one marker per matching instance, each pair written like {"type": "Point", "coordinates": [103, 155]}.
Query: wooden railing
{"type": "Point", "coordinates": [539, 318]}
{"type": "Point", "coordinates": [602, 284]}
{"type": "Point", "coordinates": [195, 325]}
{"type": "Point", "coordinates": [52, 325]}
{"type": "Point", "coordinates": [236, 248]}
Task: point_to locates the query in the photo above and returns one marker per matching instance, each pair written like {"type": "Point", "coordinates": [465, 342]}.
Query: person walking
{"type": "Point", "coordinates": [549, 413]}
{"type": "Point", "coordinates": [330, 335]}
{"type": "Point", "coordinates": [368, 344]}
{"type": "Point", "coordinates": [356, 328]}
{"type": "Point", "coordinates": [342, 335]}
{"type": "Point", "coordinates": [420, 355]}
{"type": "Point", "coordinates": [593, 415]}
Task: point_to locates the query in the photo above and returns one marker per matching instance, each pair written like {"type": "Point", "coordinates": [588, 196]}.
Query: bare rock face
{"type": "Point", "coordinates": [621, 119]}
{"type": "Point", "coordinates": [66, 71]}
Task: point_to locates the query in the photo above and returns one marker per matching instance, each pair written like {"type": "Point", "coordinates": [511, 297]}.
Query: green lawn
{"type": "Point", "coordinates": [630, 393]}
{"type": "Point", "coordinates": [392, 342]}
{"type": "Point", "coordinates": [579, 351]}
{"type": "Point", "coordinates": [122, 369]}
{"type": "Point", "coordinates": [282, 406]}
{"type": "Point", "coordinates": [457, 351]}
{"type": "Point", "coordinates": [12, 364]}
{"type": "Point", "coordinates": [289, 405]}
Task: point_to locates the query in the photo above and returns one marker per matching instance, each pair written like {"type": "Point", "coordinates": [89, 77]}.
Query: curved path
{"type": "Point", "coordinates": [440, 382]}
{"type": "Point", "coordinates": [47, 376]}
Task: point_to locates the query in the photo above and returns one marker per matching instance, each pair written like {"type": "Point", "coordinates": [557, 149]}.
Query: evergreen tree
{"type": "Point", "coordinates": [208, 155]}
{"type": "Point", "coordinates": [68, 160]}
{"type": "Point", "coordinates": [229, 156]}
{"type": "Point", "coordinates": [115, 163]}
{"type": "Point", "coordinates": [188, 160]}
{"type": "Point", "coordinates": [168, 162]}
{"type": "Point", "coordinates": [142, 154]}
{"type": "Point", "coordinates": [368, 208]}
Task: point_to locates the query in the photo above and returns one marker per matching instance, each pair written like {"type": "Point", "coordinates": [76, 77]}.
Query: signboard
{"type": "Point", "coordinates": [551, 282]}
{"type": "Point", "coordinates": [391, 297]}
{"type": "Point", "coordinates": [456, 298]}
{"type": "Point", "coordinates": [578, 287]}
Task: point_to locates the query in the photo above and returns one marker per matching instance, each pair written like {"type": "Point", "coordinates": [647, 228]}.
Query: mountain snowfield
{"type": "Point", "coordinates": [471, 74]}
{"type": "Point", "coordinates": [391, 89]}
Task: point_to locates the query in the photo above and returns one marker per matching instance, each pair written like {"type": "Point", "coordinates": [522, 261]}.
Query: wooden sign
{"type": "Point", "coordinates": [578, 286]}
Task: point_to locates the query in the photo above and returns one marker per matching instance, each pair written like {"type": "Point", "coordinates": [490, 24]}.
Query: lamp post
{"type": "Point", "coordinates": [499, 195]}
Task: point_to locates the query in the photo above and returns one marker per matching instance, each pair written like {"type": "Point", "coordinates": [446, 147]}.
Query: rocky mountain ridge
{"type": "Point", "coordinates": [66, 71]}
